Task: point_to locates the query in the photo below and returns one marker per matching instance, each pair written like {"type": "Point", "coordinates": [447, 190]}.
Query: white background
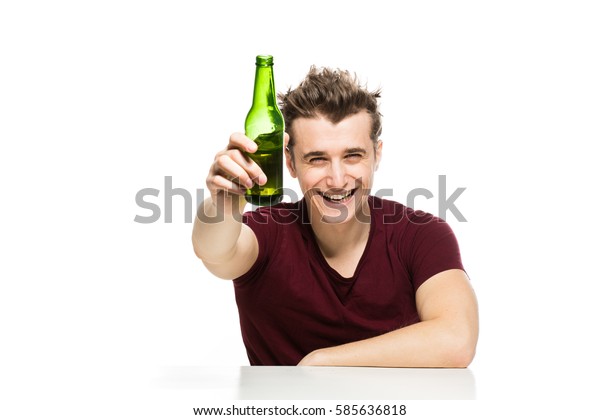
{"type": "Point", "coordinates": [101, 99]}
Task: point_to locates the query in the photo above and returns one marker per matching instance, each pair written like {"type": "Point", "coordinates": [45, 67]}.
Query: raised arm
{"type": "Point", "coordinates": [446, 336]}
{"type": "Point", "coordinates": [226, 246]}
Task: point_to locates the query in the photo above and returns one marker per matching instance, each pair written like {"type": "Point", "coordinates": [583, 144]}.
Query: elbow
{"type": "Point", "coordinates": [461, 352]}
{"type": "Point", "coordinates": [199, 252]}
{"type": "Point", "coordinates": [213, 253]}
{"type": "Point", "coordinates": [462, 343]}
{"type": "Point", "coordinates": [196, 247]}
{"type": "Point", "coordinates": [461, 356]}
{"type": "Point", "coordinates": [205, 253]}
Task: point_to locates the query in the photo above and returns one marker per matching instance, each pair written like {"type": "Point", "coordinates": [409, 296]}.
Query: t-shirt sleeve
{"type": "Point", "coordinates": [434, 249]}
{"type": "Point", "coordinates": [264, 229]}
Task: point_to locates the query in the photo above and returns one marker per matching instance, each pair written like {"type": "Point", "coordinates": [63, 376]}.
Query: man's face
{"type": "Point", "coordinates": [334, 164]}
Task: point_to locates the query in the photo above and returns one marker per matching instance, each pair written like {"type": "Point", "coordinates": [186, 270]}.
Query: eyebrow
{"type": "Point", "coordinates": [347, 151]}
{"type": "Point", "coordinates": [313, 154]}
{"type": "Point", "coordinates": [355, 150]}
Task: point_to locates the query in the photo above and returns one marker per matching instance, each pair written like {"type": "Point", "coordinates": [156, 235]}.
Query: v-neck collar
{"type": "Point", "coordinates": [333, 273]}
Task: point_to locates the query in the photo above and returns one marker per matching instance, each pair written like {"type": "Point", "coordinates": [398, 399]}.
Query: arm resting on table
{"type": "Point", "coordinates": [446, 336]}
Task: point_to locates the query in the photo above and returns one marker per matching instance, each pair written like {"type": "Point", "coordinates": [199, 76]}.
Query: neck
{"type": "Point", "coordinates": [336, 238]}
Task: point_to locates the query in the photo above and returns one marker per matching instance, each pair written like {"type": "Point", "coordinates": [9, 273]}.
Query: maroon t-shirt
{"type": "Point", "coordinates": [292, 302]}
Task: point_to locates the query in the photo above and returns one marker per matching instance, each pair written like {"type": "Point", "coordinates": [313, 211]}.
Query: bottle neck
{"type": "Point", "coordinates": [264, 87]}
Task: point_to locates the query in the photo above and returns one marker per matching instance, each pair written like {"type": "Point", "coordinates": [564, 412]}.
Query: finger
{"type": "Point", "coordinates": [242, 142]}
{"type": "Point", "coordinates": [251, 167]}
{"type": "Point", "coordinates": [234, 170]}
{"type": "Point", "coordinates": [220, 183]}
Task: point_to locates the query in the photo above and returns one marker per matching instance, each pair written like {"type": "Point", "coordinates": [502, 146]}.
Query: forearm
{"type": "Point", "coordinates": [434, 343]}
{"type": "Point", "coordinates": [217, 227]}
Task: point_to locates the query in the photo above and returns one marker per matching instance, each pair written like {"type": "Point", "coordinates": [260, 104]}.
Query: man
{"type": "Point", "coordinates": [341, 277]}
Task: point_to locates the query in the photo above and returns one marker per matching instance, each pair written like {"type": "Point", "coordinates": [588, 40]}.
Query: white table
{"type": "Point", "coordinates": [320, 383]}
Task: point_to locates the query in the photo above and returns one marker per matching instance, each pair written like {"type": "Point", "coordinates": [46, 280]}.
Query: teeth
{"type": "Point", "coordinates": [337, 196]}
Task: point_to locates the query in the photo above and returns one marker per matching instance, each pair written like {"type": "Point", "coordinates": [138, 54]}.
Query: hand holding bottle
{"type": "Point", "coordinates": [219, 233]}
{"type": "Point", "coordinates": [232, 171]}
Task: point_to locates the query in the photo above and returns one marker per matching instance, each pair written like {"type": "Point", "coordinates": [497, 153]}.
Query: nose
{"type": "Point", "coordinates": [337, 175]}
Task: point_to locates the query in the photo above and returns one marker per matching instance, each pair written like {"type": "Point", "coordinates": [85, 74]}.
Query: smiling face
{"type": "Point", "coordinates": [334, 164]}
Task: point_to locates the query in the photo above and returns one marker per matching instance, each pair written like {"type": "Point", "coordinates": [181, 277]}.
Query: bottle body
{"type": "Point", "coordinates": [264, 124]}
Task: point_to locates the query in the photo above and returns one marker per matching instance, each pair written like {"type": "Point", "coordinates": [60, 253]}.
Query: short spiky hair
{"type": "Point", "coordinates": [333, 94]}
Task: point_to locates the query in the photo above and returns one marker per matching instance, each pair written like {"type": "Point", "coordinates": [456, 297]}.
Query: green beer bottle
{"type": "Point", "coordinates": [264, 125]}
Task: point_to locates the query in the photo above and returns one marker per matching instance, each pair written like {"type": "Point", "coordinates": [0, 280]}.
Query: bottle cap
{"type": "Point", "coordinates": [264, 60]}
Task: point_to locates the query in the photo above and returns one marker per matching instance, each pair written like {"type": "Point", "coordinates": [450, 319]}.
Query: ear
{"type": "Point", "coordinates": [289, 159]}
{"type": "Point", "coordinates": [378, 153]}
